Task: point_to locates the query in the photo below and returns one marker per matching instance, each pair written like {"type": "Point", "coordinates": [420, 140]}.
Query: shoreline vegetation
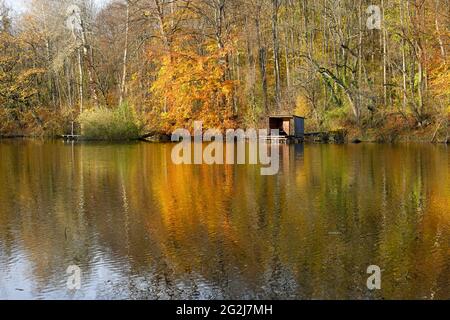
{"type": "Point", "coordinates": [135, 69]}
{"type": "Point", "coordinates": [334, 137]}
{"type": "Point", "coordinates": [124, 124]}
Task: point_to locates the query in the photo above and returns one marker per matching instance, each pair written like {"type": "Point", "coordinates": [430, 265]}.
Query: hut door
{"type": "Point", "coordinates": [286, 127]}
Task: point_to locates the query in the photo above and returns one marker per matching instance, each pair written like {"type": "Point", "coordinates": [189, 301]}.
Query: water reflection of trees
{"type": "Point", "coordinates": [227, 231]}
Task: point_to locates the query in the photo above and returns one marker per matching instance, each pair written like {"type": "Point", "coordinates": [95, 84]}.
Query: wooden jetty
{"type": "Point", "coordinates": [72, 136]}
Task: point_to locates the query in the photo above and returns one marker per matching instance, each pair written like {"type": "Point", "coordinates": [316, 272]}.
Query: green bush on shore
{"type": "Point", "coordinates": [110, 124]}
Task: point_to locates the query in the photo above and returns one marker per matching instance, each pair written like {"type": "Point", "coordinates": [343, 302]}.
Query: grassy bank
{"type": "Point", "coordinates": [94, 124]}
{"type": "Point", "coordinates": [111, 125]}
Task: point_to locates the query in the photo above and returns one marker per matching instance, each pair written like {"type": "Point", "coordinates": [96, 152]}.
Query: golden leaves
{"type": "Point", "coordinates": [194, 86]}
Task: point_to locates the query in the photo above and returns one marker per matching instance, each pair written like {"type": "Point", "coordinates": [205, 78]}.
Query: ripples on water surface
{"type": "Point", "coordinates": [142, 228]}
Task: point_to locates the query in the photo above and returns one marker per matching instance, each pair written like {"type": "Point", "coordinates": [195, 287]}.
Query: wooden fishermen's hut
{"type": "Point", "coordinates": [290, 126]}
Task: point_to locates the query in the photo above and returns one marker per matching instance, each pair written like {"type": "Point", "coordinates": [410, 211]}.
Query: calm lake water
{"type": "Point", "coordinates": [140, 227]}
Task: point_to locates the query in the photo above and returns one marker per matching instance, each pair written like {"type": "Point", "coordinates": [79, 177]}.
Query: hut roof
{"type": "Point", "coordinates": [285, 116]}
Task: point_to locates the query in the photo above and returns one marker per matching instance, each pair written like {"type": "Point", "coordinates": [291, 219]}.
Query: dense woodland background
{"type": "Point", "coordinates": [156, 65]}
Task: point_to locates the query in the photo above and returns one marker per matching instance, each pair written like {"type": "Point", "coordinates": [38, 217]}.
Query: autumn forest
{"type": "Point", "coordinates": [349, 200]}
{"type": "Point", "coordinates": [378, 69]}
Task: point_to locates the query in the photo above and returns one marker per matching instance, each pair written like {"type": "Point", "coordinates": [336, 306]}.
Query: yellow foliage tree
{"type": "Point", "coordinates": [194, 87]}
{"type": "Point", "coordinates": [17, 81]}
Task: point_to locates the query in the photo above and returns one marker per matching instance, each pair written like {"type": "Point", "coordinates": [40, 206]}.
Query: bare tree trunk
{"type": "Point", "coordinates": [252, 69]}
{"type": "Point", "coordinates": [384, 31]}
{"type": "Point", "coordinates": [90, 69]}
{"type": "Point", "coordinates": [286, 55]}
{"type": "Point", "coordinates": [68, 74]}
{"type": "Point", "coordinates": [420, 83]}
{"type": "Point", "coordinates": [161, 21]}
{"type": "Point", "coordinates": [262, 53]}
{"type": "Point", "coordinates": [80, 84]}
{"type": "Point", "coordinates": [51, 77]}
{"type": "Point", "coordinates": [276, 51]}
{"type": "Point", "coordinates": [404, 71]}
{"type": "Point", "coordinates": [125, 55]}
{"type": "Point", "coordinates": [439, 36]}
{"type": "Point", "coordinates": [360, 61]}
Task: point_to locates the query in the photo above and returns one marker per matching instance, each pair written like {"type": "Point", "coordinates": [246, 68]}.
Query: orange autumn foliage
{"type": "Point", "coordinates": [194, 87]}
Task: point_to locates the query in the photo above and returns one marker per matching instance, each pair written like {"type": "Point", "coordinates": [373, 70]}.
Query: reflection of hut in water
{"type": "Point", "coordinates": [290, 126]}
